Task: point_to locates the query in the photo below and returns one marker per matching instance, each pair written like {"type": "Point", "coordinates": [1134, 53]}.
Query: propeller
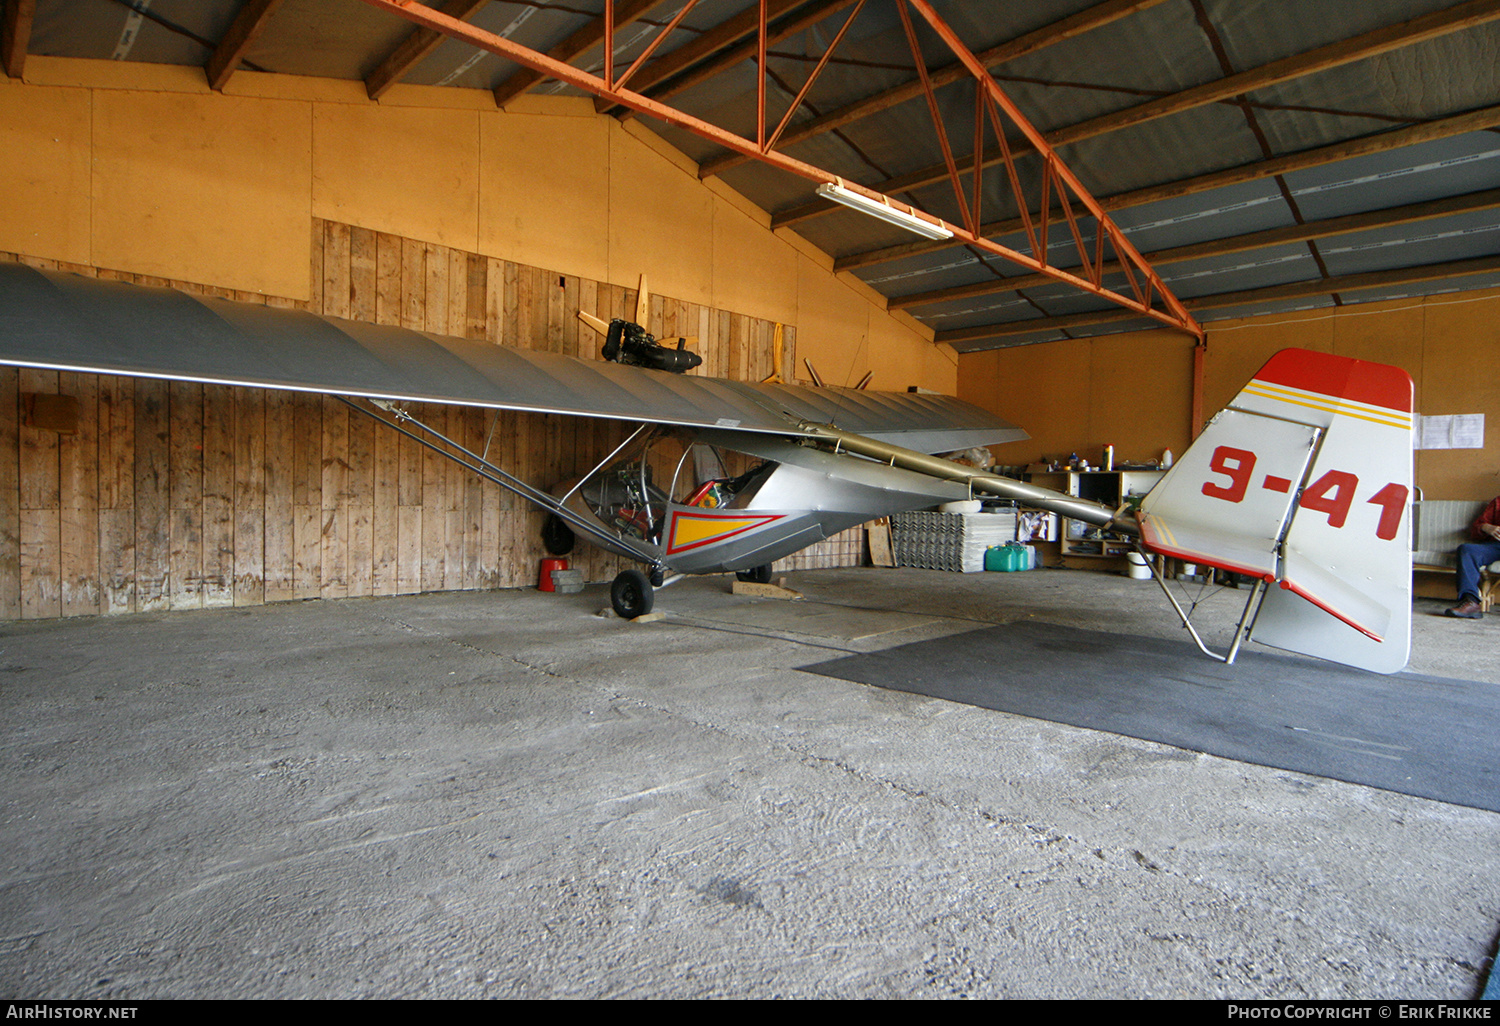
{"type": "Point", "coordinates": [642, 313]}
{"type": "Point", "coordinates": [630, 342]}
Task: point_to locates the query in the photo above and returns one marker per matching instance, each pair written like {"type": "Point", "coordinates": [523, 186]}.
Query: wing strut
{"type": "Point", "coordinates": [473, 462]}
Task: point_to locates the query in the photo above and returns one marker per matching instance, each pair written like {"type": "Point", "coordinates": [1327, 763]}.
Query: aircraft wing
{"type": "Point", "coordinates": [70, 322]}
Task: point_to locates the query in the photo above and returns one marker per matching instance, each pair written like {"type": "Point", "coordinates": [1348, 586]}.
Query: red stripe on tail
{"type": "Point", "coordinates": [1374, 383]}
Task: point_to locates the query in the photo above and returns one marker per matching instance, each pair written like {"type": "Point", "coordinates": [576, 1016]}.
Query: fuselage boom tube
{"type": "Point", "coordinates": [1070, 506]}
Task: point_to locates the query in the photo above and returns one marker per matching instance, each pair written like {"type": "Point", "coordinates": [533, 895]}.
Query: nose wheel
{"type": "Point", "coordinates": [631, 595]}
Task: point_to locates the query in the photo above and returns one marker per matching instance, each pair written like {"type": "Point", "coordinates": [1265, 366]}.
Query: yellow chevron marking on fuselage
{"type": "Point", "coordinates": [687, 530]}
{"type": "Point", "coordinates": [694, 530]}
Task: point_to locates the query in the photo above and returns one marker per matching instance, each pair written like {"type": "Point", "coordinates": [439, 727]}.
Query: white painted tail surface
{"type": "Point", "coordinates": [1305, 482]}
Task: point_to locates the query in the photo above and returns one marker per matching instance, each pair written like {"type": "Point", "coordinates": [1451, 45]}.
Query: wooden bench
{"type": "Point", "coordinates": [1440, 526]}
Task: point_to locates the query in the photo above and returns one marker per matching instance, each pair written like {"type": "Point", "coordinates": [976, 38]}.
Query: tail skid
{"type": "Point", "coordinates": [1304, 483]}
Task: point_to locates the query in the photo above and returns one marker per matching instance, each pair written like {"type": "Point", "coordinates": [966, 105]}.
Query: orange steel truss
{"type": "Point", "coordinates": [1060, 190]}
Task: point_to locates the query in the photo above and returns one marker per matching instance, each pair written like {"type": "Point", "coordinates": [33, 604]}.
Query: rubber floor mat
{"type": "Point", "coordinates": [1429, 737]}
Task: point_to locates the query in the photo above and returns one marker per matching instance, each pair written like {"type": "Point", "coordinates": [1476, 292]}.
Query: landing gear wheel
{"type": "Point", "coordinates": [631, 595]}
{"type": "Point", "coordinates": [557, 536]}
{"type": "Point", "coordinates": [755, 575]}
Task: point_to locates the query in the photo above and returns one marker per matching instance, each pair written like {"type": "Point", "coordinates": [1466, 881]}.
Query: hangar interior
{"type": "Point", "coordinates": [1340, 206]}
{"type": "Point", "coordinates": [1319, 175]}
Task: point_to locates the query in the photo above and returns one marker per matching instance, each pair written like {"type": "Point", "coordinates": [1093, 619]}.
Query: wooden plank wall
{"type": "Point", "coordinates": [182, 496]}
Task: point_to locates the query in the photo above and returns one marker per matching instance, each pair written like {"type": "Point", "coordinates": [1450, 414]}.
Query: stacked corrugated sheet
{"type": "Point", "coordinates": [949, 541]}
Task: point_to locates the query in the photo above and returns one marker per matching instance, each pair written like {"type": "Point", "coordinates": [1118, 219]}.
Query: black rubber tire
{"type": "Point", "coordinates": [557, 536]}
{"type": "Point", "coordinates": [632, 595]}
{"type": "Point", "coordinates": [755, 575]}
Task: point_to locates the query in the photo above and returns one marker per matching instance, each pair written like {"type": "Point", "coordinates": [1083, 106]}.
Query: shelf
{"type": "Point", "coordinates": [1109, 487]}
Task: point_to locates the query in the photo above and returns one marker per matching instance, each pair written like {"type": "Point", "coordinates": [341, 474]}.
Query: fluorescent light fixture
{"type": "Point", "coordinates": [885, 211]}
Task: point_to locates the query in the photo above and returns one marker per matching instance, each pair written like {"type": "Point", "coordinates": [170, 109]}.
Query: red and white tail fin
{"type": "Point", "coordinates": [1305, 482]}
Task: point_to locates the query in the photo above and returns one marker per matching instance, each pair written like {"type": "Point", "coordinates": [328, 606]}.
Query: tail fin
{"type": "Point", "coordinates": [1305, 482]}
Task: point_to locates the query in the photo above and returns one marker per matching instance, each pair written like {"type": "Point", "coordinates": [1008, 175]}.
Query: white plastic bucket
{"type": "Point", "coordinates": [1140, 570]}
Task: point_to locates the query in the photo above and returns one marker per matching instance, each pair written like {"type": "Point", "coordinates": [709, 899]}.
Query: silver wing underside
{"type": "Point", "coordinates": [69, 322]}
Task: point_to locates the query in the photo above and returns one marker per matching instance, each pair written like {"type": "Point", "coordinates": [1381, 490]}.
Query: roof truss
{"type": "Point", "coordinates": [1360, 146]}
{"type": "Point", "coordinates": [724, 47]}
{"type": "Point", "coordinates": [1370, 44]}
{"type": "Point", "coordinates": [1087, 20]}
{"type": "Point", "coordinates": [591, 35]}
{"type": "Point", "coordinates": [995, 114]}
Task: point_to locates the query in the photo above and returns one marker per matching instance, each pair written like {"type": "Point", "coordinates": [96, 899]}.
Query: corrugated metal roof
{"type": "Point", "coordinates": [1159, 49]}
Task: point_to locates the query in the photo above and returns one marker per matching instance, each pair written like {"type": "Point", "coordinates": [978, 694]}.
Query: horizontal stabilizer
{"type": "Point", "coordinates": [1211, 545]}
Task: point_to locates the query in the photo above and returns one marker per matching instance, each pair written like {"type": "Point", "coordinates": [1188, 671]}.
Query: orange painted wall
{"type": "Point", "coordinates": [1135, 390]}
{"type": "Point", "coordinates": [143, 169]}
{"type": "Point", "coordinates": [1131, 391]}
{"type": "Point", "coordinates": [1449, 344]}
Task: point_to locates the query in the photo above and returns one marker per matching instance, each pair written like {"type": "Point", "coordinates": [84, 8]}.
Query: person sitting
{"type": "Point", "coordinates": [1473, 557]}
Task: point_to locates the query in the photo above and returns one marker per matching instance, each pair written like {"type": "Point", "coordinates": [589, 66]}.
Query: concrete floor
{"type": "Point", "coordinates": [508, 795]}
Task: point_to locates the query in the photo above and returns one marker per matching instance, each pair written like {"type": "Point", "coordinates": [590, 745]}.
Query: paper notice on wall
{"type": "Point", "coordinates": [1455, 431]}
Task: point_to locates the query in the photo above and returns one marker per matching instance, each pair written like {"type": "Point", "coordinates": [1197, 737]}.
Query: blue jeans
{"type": "Point", "coordinates": [1472, 558]}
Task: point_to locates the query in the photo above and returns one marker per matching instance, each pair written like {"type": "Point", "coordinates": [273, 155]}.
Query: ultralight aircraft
{"type": "Point", "coordinates": [1302, 484]}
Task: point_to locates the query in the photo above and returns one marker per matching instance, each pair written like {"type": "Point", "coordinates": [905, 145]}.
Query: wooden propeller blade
{"type": "Point", "coordinates": [779, 350]}
{"type": "Point", "coordinates": [642, 302]}
{"type": "Point", "coordinates": [600, 326]}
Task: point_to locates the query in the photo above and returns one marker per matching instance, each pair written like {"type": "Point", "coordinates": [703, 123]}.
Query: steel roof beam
{"type": "Point", "coordinates": [1146, 289]}
{"type": "Point", "coordinates": [15, 35]}
{"type": "Point", "coordinates": [1345, 51]}
{"type": "Point", "coordinates": [246, 28]}
{"type": "Point", "coordinates": [579, 42]}
{"type": "Point", "coordinates": [1048, 35]}
{"type": "Point", "coordinates": [1350, 283]}
{"type": "Point", "coordinates": [1360, 146]}
{"type": "Point", "coordinates": [414, 48]}
{"type": "Point", "coordinates": [720, 45]}
{"type": "Point", "coordinates": [1390, 217]}
{"type": "Point", "coordinates": [1370, 44]}
{"type": "Point", "coordinates": [1292, 290]}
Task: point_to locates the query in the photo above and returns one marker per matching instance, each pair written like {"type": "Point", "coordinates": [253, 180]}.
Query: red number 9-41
{"type": "Point", "coordinates": [1332, 494]}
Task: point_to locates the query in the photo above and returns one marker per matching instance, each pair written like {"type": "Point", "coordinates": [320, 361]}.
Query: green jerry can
{"type": "Point", "coordinates": [1010, 556]}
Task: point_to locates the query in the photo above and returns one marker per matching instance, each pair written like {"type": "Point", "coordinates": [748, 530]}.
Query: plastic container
{"type": "Point", "coordinates": [1140, 570]}
{"type": "Point", "coordinates": [544, 576]}
{"type": "Point", "coordinates": [1009, 557]}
